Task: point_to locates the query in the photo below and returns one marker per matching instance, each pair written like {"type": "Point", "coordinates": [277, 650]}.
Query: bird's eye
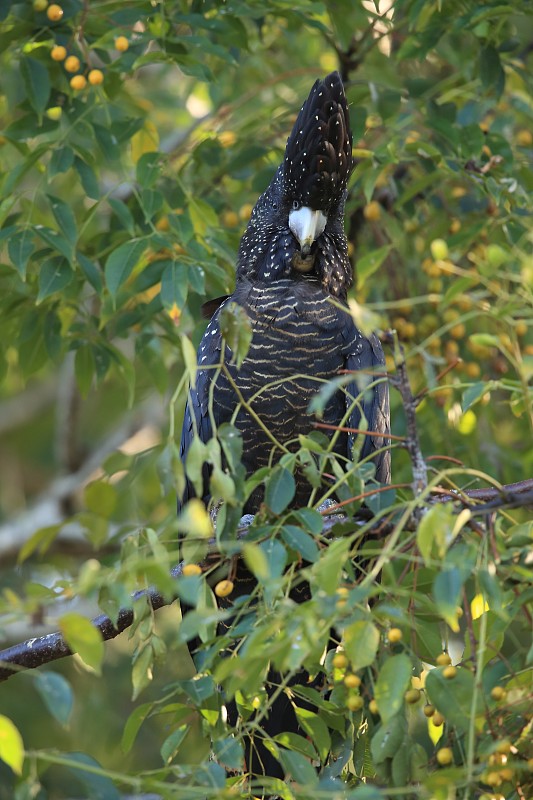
{"type": "Point", "coordinates": [296, 204]}
{"type": "Point", "coordinates": [275, 205]}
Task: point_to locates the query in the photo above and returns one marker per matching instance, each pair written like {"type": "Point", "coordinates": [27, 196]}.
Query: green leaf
{"type": "Point", "coordinates": [56, 241]}
{"type": "Point", "coordinates": [54, 276]}
{"type": "Point", "coordinates": [327, 571]}
{"type": "Point", "coordinates": [190, 358]}
{"type": "Point", "coordinates": [393, 680]}
{"type": "Point", "coordinates": [88, 179]}
{"type": "Point", "coordinates": [20, 247]}
{"type": "Point", "coordinates": [84, 368]}
{"type": "Point", "coordinates": [301, 542]}
{"type": "Point", "coordinates": [229, 752]}
{"type": "Point", "coordinates": [361, 642]}
{"type": "Point", "coordinates": [435, 529]}
{"type": "Point", "coordinates": [447, 589]}
{"type": "Point", "coordinates": [298, 768]}
{"type": "Point", "coordinates": [256, 561]}
{"type": "Point", "coordinates": [473, 394]}
{"type": "Point", "coordinates": [83, 638]}
{"type": "Point", "coordinates": [174, 285]}
{"type": "Point", "coordinates": [148, 169]}
{"type": "Point", "coordinates": [236, 329]}
{"type": "Point", "coordinates": [141, 673]}
{"type": "Point", "coordinates": [56, 693]}
{"type": "Point", "coordinates": [133, 724]}
{"type": "Point", "coordinates": [11, 745]}
{"type": "Point", "coordinates": [36, 82]}
{"type": "Point", "coordinates": [101, 498]}
{"type": "Point", "coordinates": [280, 489]}
{"type": "Point", "coordinates": [491, 70]}
{"type": "Point", "coordinates": [61, 160]}
{"type": "Point", "coordinates": [123, 214]}
{"type": "Point", "coordinates": [316, 729]}
{"type": "Point", "coordinates": [172, 743]}
{"type": "Point", "coordinates": [64, 218]}
{"type": "Point", "coordinates": [453, 698]}
{"type": "Point", "coordinates": [121, 262]}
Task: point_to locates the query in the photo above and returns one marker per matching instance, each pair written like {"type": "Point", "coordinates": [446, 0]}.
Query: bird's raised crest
{"type": "Point", "coordinates": [318, 156]}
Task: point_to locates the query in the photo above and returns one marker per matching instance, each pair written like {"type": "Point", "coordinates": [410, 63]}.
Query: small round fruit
{"type": "Point", "coordinates": [58, 53]}
{"type": "Point", "coordinates": [439, 249]}
{"type": "Point", "coordinates": [224, 588]}
{"type": "Point", "coordinates": [191, 569]}
{"type": "Point", "coordinates": [524, 138]}
{"type": "Point", "coordinates": [372, 211]}
{"type": "Point", "coordinates": [498, 693]}
{"type": "Point", "coordinates": [507, 774]}
{"type": "Point", "coordinates": [443, 660]}
{"type": "Point", "coordinates": [412, 696]}
{"type": "Point", "coordinates": [449, 672]}
{"type": "Point", "coordinates": [72, 64]}
{"type": "Point", "coordinates": [54, 12]}
{"type": "Point", "coordinates": [373, 707]}
{"type": "Point", "coordinates": [354, 703]}
{"type": "Point", "coordinates": [96, 77]}
{"type": "Point", "coordinates": [121, 44]}
{"type": "Point", "coordinates": [444, 756]}
{"type": "Point", "coordinates": [78, 82]}
{"type": "Point", "coordinates": [437, 719]}
{"type": "Point", "coordinates": [503, 747]}
{"type": "Point", "coordinates": [230, 219]}
{"type": "Point", "coordinates": [492, 779]}
{"type": "Point", "coordinates": [395, 635]}
{"type": "Point", "coordinates": [245, 212]}
{"type": "Point", "coordinates": [54, 113]}
{"type": "Point", "coordinates": [429, 710]}
{"type": "Point", "coordinates": [40, 5]}
{"type": "Point", "coordinates": [352, 681]}
{"type": "Point", "coordinates": [339, 661]}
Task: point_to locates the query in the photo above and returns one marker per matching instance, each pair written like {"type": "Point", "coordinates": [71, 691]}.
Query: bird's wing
{"type": "Point", "coordinates": [368, 360]}
{"type": "Point", "coordinates": [197, 420]}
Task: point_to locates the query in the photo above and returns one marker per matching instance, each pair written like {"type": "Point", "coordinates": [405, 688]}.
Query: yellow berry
{"type": "Point", "coordinates": [439, 249]}
{"type": "Point", "coordinates": [227, 138]}
{"type": "Point", "coordinates": [443, 660]}
{"type": "Point", "coordinates": [449, 672]}
{"type": "Point", "coordinates": [444, 756]}
{"type": "Point", "coordinates": [372, 211]}
{"type": "Point", "coordinates": [352, 681]}
{"type": "Point", "coordinates": [96, 77]}
{"type": "Point", "coordinates": [524, 138]}
{"type": "Point", "coordinates": [54, 12]}
{"type": "Point", "coordinates": [498, 693]}
{"type": "Point", "coordinates": [192, 569]}
{"type": "Point", "coordinates": [224, 588]}
{"type": "Point", "coordinates": [493, 779]}
{"type": "Point", "coordinates": [395, 635]}
{"type": "Point", "coordinates": [339, 661]}
{"type": "Point", "coordinates": [72, 64]}
{"type": "Point", "coordinates": [54, 113]}
{"type": "Point", "coordinates": [429, 710]}
{"type": "Point", "coordinates": [507, 774]}
{"type": "Point", "coordinates": [58, 53]}
{"type": "Point", "coordinates": [437, 719]}
{"type": "Point", "coordinates": [458, 331]}
{"type": "Point", "coordinates": [39, 5]}
{"type": "Point", "coordinates": [78, 82]}
{"type": "Point", "coordinates": [455, 226]}
{"type": "Point", "coordinates": [245, 211]}
{"type": "Point", "coordinates": [412, 696]}
{"type": "Point", "coordinates": [121, 44]}
{"type": "Point", "coordinates": [230, 219]}
{"type": "Point", "coordinates": [373, 707]}
{"type": "Point", "coordinates": [521, 328]}
{"type": "Point", "coordinates": [354, 703]}
{"type": "Point", "coordinates": [503, 747]}
{"type": "Point", "coordinates": [473, 370]}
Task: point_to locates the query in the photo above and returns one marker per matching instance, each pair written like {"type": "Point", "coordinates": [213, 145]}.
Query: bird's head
{"type": "Point", "coordinates": [297, 223]}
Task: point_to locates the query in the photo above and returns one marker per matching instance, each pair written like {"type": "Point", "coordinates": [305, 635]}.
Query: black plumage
{"type": "Point", "coordinates": [300, 337]}
{"type": "Point", "coordinates": [293, 275]}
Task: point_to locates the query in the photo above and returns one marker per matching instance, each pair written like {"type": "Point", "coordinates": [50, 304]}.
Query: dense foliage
{"type": "Point", "coordinates": [134, 138]}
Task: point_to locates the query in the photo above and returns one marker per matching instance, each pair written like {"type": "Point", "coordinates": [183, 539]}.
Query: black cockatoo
{"type": "Point", "coordinates": [293, 275]}
{"type": "Point", "coordinates": [293, 261]}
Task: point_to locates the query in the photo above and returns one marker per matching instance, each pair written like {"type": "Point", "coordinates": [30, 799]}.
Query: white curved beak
{"type": "Point", "coordinates": [306, 225]}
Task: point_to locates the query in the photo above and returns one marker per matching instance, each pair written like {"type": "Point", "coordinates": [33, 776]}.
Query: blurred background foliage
{"type": "Point", "coordinates": [135, 138]}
